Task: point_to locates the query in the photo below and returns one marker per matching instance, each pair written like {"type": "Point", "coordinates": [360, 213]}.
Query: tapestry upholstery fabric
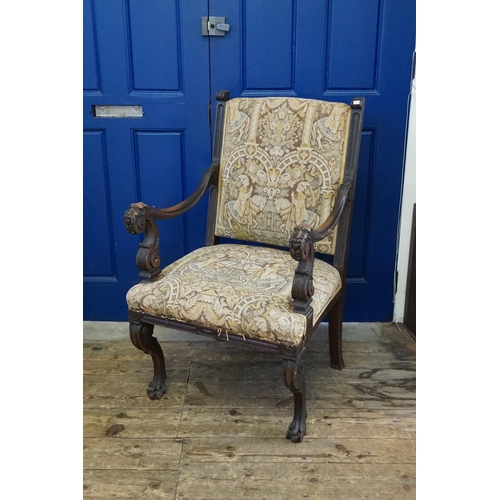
{"type": "Point", "coordinates": [282, 162]}
{"type": "Point", "coordinates": [239, 289]}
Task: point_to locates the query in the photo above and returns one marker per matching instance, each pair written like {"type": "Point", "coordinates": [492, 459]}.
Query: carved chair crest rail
{"type": "Point", "coordinates": [283, 174]}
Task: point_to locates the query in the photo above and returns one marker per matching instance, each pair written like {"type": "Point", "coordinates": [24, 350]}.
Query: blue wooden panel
{"type": "Point", "coordinates": [97, 231]}
{"type": "Point", "coordinates": [155, 45]}
{"type": "Point", "coordinates": [112, 48]}
{"type": "Point", "coordinates": [361, 219]}
{"type": "Point", "coordinates": [311, 43]}
{"type": "Point", "coordinates": [159, 167]}
{"type": "Point", "coordinates": [353, 30]}
{"type": "Point", "coordinates": [269, 64]}
{"type": "Point", "coordinates": [90, 61]}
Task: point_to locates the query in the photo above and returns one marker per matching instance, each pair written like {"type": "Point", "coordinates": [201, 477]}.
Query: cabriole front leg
{"type": "Point", "coordinates": [295, 381]}
{"type": "Point", "coordinates": [141, 335]}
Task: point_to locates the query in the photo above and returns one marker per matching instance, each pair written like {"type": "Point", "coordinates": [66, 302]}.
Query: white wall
{"type": "Point", "coordinates": [408, 199]}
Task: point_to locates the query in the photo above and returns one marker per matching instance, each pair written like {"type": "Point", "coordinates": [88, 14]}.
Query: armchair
{"type": "Point", "coordinates": [283, 175]}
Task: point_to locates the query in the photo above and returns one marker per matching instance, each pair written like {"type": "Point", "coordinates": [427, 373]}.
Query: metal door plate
{"type": "Point", "coordinates": [117, 111]}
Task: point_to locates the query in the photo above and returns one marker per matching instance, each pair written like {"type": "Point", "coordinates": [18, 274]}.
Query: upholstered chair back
{"type": "Point", "coordinates": [282, 162]}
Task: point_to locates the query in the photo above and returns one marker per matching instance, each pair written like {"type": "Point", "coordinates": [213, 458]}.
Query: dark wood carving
{"type": "Point", "coordinates": [293, 371]}
{"type": "Point", "coordinates": [137, 220]}
{"type": "Point", "coordinates": [302, 249]}
{"type": "Point", "coordinates": [304, 237]}
{"type": "Point", "coordinates": [141, 218]}
{"type": "Point", "coordinates": [222, 97]}
{"type": "Point", "coordinates": [141, 335]}
{"type": "Point", "coordinates": [351, 168]}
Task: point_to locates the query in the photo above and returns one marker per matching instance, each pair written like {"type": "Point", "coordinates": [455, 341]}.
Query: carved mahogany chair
{"type": "Point", "coordinates": [283, 174]}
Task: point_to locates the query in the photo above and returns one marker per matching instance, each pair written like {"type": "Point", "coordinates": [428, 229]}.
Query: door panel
{"type": "Point", "coordinates": [150, 57]}
{"type": "Point", "coordinates": [90, 64]}
{"type": "Point", "coordinates": [154, 42]}
{"type": "Point", "coordinates": [361, 213]}
{"type": "Point", "coordinates": [352, 32]}
{"type": "Point", "coordinates": [98, 258]}
{"type": "Point", "coordinates": [336, 50]}
{"type": "Point", "coordinates": [275, 70]}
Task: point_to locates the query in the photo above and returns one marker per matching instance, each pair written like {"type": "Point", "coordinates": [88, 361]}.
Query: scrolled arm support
{"type": "Point", "coordinates": [302, 249]}
{"type": "Point", "coordinates": [141, 218]}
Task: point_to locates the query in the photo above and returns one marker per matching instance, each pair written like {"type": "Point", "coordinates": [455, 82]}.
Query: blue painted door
{"type": "Point", "coordinates": [336, 50]}
{"type": "Point", "coordinates": [150, 54]}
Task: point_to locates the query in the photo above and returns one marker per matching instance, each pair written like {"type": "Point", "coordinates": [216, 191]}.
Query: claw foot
{"type": "Point", "coordinates": [141, 335]}
{"type": "Point", "coordinates": [156, 388]}
{"type": "Point", "coordinates": [296, 433]}
{"type": "Point", "coordinates": [295, 381]}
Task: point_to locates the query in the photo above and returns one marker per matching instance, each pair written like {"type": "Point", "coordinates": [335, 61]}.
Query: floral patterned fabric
{"type": "Point", "coordinates": [238, 289]}
{"type": "Point", "coordinates": [282, 162]}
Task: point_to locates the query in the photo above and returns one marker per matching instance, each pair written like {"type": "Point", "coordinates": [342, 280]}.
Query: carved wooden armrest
{"type": "Point", "coordinates": [302, 249]}
{"type": "Point", "coordinates": [141, 218]}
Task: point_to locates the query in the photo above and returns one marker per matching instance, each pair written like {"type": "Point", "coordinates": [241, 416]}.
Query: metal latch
{"type": "Point", "coordinates": [214, 26]}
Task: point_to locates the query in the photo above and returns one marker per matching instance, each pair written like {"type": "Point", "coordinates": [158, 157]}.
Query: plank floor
{"type": "Point", "coordinates": [219, 432]}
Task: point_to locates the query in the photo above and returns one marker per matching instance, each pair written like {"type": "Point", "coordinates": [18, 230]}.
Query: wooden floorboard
{"type": "Point", "coordinates": [219, 432]}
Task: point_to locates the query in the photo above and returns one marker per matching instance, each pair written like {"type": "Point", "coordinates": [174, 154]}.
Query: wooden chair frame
{"type": "Point", "coordinates": [142, 218]}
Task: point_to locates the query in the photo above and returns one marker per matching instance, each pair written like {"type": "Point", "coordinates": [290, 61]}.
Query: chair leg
{"type": "Point", "coordinates": [335, 335]}
{"type": "Point", "coordinates": [141, 335]}
{"type": "Point", "coordinates": [295, 381]}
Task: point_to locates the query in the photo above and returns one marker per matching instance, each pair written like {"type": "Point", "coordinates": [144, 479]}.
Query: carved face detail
{"type": "Point", "coordinates": [300, 243]}
{"type": "Point", "coordinates": [134, 219]}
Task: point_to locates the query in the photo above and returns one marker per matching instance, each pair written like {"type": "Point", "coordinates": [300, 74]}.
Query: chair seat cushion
{"type": "Point", "coordinates": [239, 289]}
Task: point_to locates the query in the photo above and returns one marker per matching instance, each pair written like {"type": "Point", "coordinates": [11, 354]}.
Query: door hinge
{"type": "Point", "coordinates": [214, 26]}
{"type": "Point", "coordinates": [209, 114]}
